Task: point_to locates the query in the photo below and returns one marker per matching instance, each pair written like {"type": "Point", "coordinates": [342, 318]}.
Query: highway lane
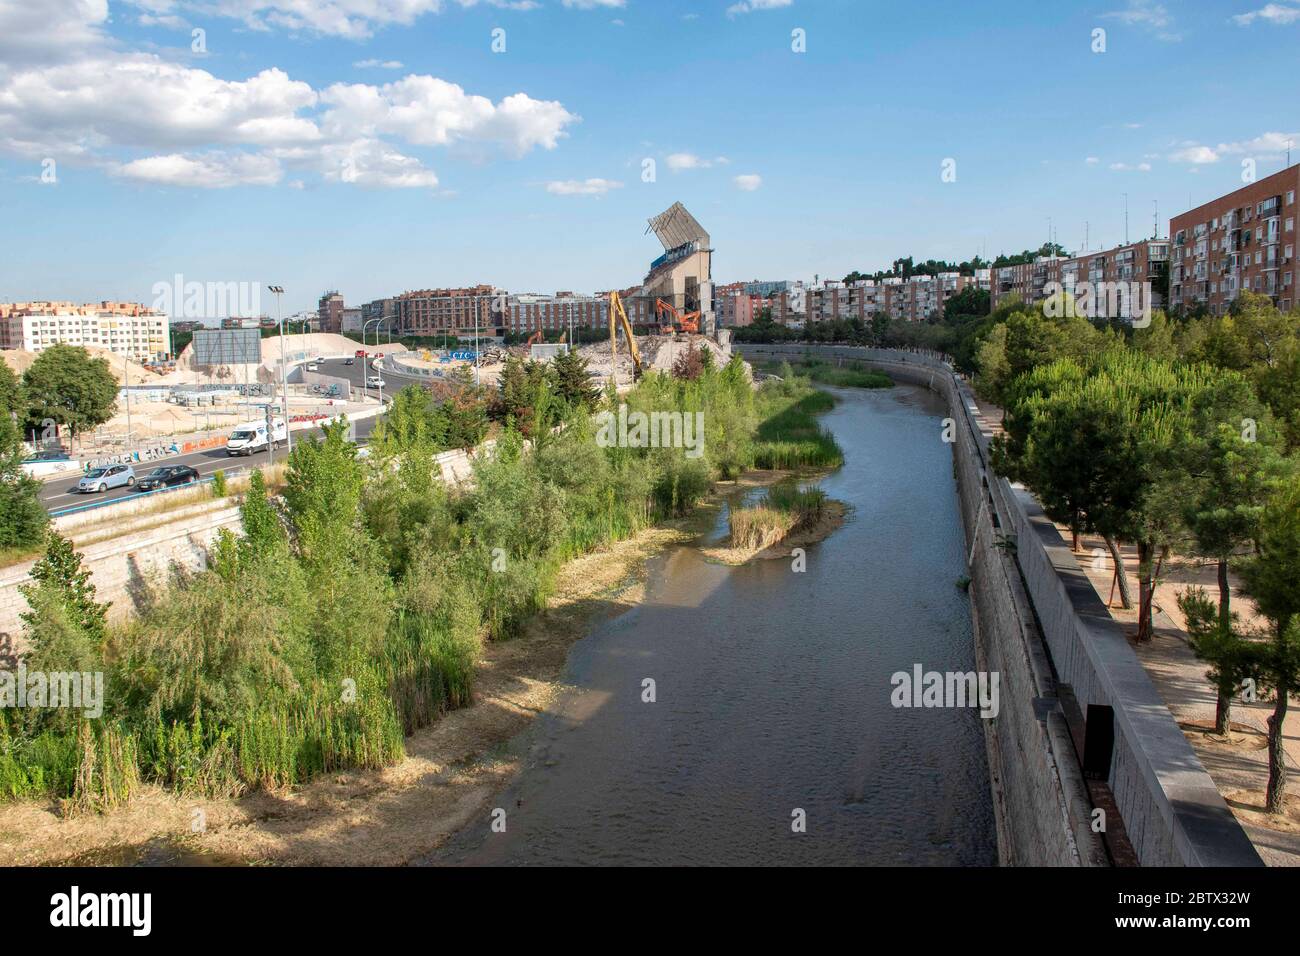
{"type": "Point", "coordinates": [59, 493]}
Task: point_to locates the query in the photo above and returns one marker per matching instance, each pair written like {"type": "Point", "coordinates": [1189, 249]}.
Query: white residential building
{"type": "Point", "coordinates": [123, 328]}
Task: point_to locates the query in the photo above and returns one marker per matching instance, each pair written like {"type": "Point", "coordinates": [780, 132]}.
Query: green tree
{"type": "Point", "coordinates": [1219, 642]}
{"type": "Point", "coordinates": [12, 399]}
{"type": "Point", "coordinates": [1157, 339]}
{"type": "Point", "coordinates": [1272, 579]}
{"type": "Point", "coordinates": [969, 301]}
{"type": "Point", "coordinates": [22, 518]}
{"type": "Point", "coordinates": [413, 421]}
{"type": "Point", "coordinates": [66, 385]}
{"type": "Point", "coordinates": [61, 574]}
{"type": "Point", "coordinates": [572, 383]}
{"type": "Point", "coordinates": [323, 494]}
{"type": "Point", "coordinates": [262, 528]}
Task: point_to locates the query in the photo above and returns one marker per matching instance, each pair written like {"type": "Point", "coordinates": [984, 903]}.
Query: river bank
{"type": "Point", "coordinates": [383, 817]}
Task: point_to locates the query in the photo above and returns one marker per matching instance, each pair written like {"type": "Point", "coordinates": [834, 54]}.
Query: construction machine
{"type": "Point", "coordinates": [534, 339]}
{"type": "Point", "coordinates": [685, 322]}
{"type": "Point", "coordinates": [618, 314]}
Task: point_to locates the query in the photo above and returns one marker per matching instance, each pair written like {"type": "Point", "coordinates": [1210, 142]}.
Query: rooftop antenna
{"type": "Point", "coordinates": [1155, 218]}
{"type": "Point", "coordinates": [1085, 235]}
{"type": "Point", "coordinates": [1126, 219]}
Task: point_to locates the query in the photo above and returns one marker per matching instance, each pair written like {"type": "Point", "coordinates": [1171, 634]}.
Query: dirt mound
{"type": "Point", "coordinates": [20, 360]}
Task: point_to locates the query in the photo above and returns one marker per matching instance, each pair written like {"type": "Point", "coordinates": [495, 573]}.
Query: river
{"type": "Point", "coordinates": [772, 693]}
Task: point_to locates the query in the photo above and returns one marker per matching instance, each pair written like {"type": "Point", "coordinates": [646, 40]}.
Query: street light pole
{"type": "Point", "coordinates": [278, 291]}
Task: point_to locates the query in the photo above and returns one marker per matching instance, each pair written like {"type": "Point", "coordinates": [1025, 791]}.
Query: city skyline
{"type": "Point", "coordinates": [396, 150]}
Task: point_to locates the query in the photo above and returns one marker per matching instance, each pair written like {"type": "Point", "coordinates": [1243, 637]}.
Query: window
{"type": "Point", "coordinates": [1290, 198]}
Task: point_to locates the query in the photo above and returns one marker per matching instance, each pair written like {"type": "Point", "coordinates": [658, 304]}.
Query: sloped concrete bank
{"type": "Point", "coordinates": [1040, 625]}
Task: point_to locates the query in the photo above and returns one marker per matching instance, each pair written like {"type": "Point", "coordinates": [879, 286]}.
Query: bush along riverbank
{"type": "Point", "coordinates": [355, 608]}
{"type": "Point", "coordinates": [848, 375]}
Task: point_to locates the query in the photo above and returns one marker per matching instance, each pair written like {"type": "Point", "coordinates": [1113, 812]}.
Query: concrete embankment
{"type": "Point", "coordinates": [1039, 623]}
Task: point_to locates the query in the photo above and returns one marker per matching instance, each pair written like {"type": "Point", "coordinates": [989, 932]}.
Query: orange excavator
{"type": "Point", "coordinates": [534, 339]}
{"type": "Point", "coordinates": [686, 322]}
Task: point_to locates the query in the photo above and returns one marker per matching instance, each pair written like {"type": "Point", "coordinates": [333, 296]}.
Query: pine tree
{"type": "Point", "coordinates": [572, 383]}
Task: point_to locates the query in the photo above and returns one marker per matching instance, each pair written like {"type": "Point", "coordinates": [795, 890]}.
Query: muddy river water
{"type": "Point", "coordinates": [772, 693]}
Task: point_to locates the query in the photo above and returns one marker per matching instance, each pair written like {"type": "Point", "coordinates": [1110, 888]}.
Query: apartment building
{"type": "Point", "coordinates": [452, 311]}
{"type": "Point", "coordinates": [379, 314]}
{"type": "Point", "coordinates": [329, 311]}
{"type": "Point", "coordinates": [734, 306]}
{"type": "Point", "coordinates": [1025, 280]}
{"type": "Point", "coordinates": [915, 299]}
{"type": "Point", "coordinates": [555, 313]}
{"type": "Point", "coordinates": [1145, 262]}
{"type": "Point", "coordinates": [1242, 241]}
{"type": "Point", "coordinates": [123, 328]}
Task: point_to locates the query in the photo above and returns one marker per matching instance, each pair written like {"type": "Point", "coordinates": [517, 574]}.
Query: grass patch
{"type": "Point", "coordinates": [789, 435]}
{"type": "Point", "coordinates": [785, 508]}
{"type": "Point", "coordinates": [850, 375]}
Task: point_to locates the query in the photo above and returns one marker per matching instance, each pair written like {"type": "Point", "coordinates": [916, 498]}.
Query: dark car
{"type": "Point", "coordinates": [167, 477]}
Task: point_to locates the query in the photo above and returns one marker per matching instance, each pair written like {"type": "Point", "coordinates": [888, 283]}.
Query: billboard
{"type": "Point", "coordinates": [227, 346]}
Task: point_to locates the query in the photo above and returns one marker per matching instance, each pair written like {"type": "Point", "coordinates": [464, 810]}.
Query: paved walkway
{"type": "Point", "coordinates": [1238, 764]}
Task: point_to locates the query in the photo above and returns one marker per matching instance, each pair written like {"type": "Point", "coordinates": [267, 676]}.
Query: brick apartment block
{"type": "Point", "coordinates": [1242, 241]}
{"type": "Point", "coordinates": [454, 311]}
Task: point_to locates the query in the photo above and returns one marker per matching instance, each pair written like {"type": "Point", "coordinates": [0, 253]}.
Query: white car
{"type": "Point", "coordinates": [313, 367]}
{"type": "Point", "coordinates": [374, 381]}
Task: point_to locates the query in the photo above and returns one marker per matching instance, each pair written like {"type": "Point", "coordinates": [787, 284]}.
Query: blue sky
{"type": "Point", "coordinates": [295, 150]}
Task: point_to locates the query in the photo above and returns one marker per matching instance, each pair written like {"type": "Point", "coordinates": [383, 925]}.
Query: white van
{"type": "Point", "coordinates": [250, 437]}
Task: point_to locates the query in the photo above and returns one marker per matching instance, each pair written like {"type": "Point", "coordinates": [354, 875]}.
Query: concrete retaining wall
{"type": "Point", "coordinates": [127, 569]}
{"type": "Point", "coordinates": [1038, 621]}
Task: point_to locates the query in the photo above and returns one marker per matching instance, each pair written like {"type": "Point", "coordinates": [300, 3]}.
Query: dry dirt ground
{"type": "Point", "coordinates": [384, 817]}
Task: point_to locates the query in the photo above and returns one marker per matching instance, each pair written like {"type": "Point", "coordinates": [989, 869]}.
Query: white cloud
{"type": "Point", "coordinates": [1266, 144]}
{"type": "Point", "coordinates": [144, 117]}
{"type": "Point", "coordinates": [1126, 167]}
{"type": "Point", "coordinates": [143, 101]}
{"type": "Point", "coordinates": [1194, 154]}
{"type": "Point", "coordinates": [214, 170]}
{"type": "Point", "coordinates": [594, 4]}
{"type": "Point", "coordinates": [371, 162]}
{"type": "Point", "coordinates": [680, 161]}
{"type": "Point", "coordinates": [1092, 160]}
{"type": "Point", "coordinates": [351, 19]}
{"type": "Point", "coordinates": [48, 30]}
{"type": "Point", "coordinates": [1272, 12]}
{"type": "Point", "coordinates": [425, 110]}
{"type": "Point", "coordinates": [749, 6]}
{"type": "Point", "coordinates": [748, 181]}
{"type": "Point", "coordinates": [378, 64]}
{"type": "Point", "coordinates": [582, 187]}
{"type": "Point", "coordinates": [1149, 15]}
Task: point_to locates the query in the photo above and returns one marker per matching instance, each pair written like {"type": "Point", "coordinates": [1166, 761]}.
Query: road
{"type": "Point", "coordinates": [59, 493]}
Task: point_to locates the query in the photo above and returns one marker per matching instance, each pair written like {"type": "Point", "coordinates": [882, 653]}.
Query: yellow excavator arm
{"type": "Point", "coordinates": [617, 313]}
